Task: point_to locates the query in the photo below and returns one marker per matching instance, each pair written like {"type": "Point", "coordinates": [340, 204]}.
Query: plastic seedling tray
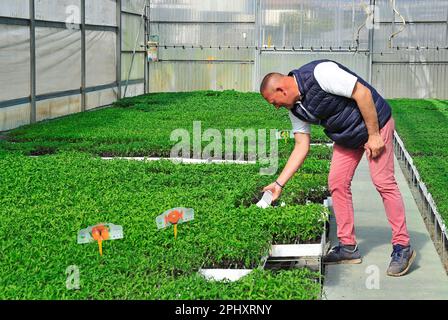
{"type": "Point", "coordinates": [183, 160]}
{"type": "Point", "coordinates": [228, 274]}
{"type": "Point", "coordinates": [301, 250]}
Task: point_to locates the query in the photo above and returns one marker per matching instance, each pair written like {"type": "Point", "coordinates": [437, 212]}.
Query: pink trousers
{"type": "Point", "coordinates": [343, 165]}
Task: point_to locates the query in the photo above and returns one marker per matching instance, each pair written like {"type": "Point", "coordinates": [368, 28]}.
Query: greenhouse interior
{"type": "Point", "coordinates": [223, 150]}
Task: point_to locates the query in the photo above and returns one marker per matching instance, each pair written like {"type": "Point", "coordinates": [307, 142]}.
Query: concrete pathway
{"type": "Point", "coordinates": [427, 278]}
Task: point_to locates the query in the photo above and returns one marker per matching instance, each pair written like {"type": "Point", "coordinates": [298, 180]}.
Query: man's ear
{"type": "Point", "coordinates": [280, 90]}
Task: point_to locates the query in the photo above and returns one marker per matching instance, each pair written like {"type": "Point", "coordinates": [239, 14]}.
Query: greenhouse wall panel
{"type": "Point", "coordinates": [130, 29]}
{"type": "Point", "coordinates": [209, 34]}
{"type": "Point", "coordinates": [57, 107]}
{"type": "Point", "coordinates": [395, 80]}
{"type": "Point", "coordinates": [100, 98]}
{"type": "Point", "coordinates": [15, 8]}
{"type": "Point", "coordinates": [101, 12]}
{"type": "Point", "coordinates": [58, 60]}
{"type": "Point", "coordinates": [101, 57]}
{"type": "Point", "coordinates": [13, 117]}
{"type": "Point", "coordinates": [14, 62]}
{"type": "Point", "coordinates": [414, 10]}
{"type": "Point", "coordinates": [203, 10]}
{"type": "Point", "coordinates": [206, 54]}
{"type": "Point", "coordinates": [134, 89]}
{"type": "Point", "coordinates": [134, 6]}
{"type": "Point", "coordinates": [285, 62]}
{"type": "Point", "coordinates": [189, 76]}
{"type": "Point", "coordinates": [312, 23]}
{"type": "Point", "coordinates": [58, 10]}
{"type": "Point", "coordinates": [137, 71]}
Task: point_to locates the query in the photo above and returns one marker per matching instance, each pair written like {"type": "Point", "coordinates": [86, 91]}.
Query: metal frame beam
{"type": "Point", "coordinates": [52, 24]}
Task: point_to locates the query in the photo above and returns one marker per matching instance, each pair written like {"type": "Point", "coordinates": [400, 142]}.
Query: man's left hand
{"type": "Point", "coordinates": [374, 146]}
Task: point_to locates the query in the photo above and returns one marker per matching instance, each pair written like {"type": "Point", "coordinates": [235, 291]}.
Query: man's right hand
{"type": "Point", "coordinates": [275, 189]}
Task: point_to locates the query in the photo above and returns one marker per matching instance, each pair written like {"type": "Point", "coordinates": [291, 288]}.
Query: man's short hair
{"type": "Point", "coordinates": [269, 79]}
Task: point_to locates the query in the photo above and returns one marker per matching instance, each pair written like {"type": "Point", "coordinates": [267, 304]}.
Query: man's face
{"type": "Point", "coordinates": [279, 98]}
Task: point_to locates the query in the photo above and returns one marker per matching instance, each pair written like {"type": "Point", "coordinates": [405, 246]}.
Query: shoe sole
{"type": "Point", "coordinates": [352, 261]}
{"type": "Point", "coordinates": [411, 260]}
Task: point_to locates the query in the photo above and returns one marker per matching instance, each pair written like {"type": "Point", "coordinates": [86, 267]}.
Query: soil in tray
{"type": "Point", "coordinates": [40, 151]}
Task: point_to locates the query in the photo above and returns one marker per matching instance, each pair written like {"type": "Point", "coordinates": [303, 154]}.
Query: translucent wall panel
{"type": "Point", "coordinates": [189, 76]}
{"type": "Point", "coordinates": [421, 34]}
{"type": "Point", "coordinates": [101, 57]}
{"type": "Point", "coordinates": [15, 8]}
{"type": "Point", "coordinates": [59, 10]}
{"type": "Point", "coordinates": [130, 30]}
{"type": "Point", "coordinates": [13, 117]}
{"type": "Point", "coordinates": [138, 71]}
{"type": "Point", "coordinates": [414, 10]}
{"type": "Point", "coordinates": [206, 54]}
{"type": "Point", "coordinates": [203, 10]}
{"type": "Point", "coordinates": [411, 80]}
{"type": "Point", "coordinates": [207, 34]}
{"type": "Point", "coordinates": [412, 56]}
{"type": "Point", "coordinates": [102, 12]}
{"type": "Point", "coordinates": [134, 6]}
{"type": "Point", "coordinates": [14, 62]}
{"type": "Point", "coordinates": [134, 90]}
{"type": "Point", "coordinates": [285, 62]}
{"type": "Point", "coordinates": [100, 98]}
{"type": "Point", "coordinates": [58, 107]}
{"type": "Point", "coordinates": [58, 60]}
{"type": "Point", "coordinates": [312, 23]}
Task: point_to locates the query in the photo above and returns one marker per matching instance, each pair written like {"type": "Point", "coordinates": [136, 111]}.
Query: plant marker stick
{"type": "Point", "coordinates": [175, 231]}
{"type": "Point", "coordinates": [100, 246]}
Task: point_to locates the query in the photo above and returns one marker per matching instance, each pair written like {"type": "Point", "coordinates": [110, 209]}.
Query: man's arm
{"type": "Point", "coordinates": [363, 97]}
{"type": "Point", "coordinates": [295, 161]}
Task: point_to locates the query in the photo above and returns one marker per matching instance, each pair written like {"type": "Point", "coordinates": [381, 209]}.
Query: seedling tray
{"type": "Point", "coordinates": [218, 274]}
{"type": "Point", "coordinates": [302, 250]}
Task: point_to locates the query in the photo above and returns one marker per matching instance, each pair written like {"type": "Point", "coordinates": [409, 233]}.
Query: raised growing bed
{"type": "Point", "coordinates": [439, 232]}
{"type": "Point", "coordinates": [422, 154]}
{"type": "Point", "coordinates": [142, 126]}
{"type": "Point", "coordinates": [67, 192]}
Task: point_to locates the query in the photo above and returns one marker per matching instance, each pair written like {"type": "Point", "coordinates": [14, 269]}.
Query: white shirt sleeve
{"type": "Point", "coordinates": [335, 80]}
{"type": "Point", "coordinates": [299, 125]}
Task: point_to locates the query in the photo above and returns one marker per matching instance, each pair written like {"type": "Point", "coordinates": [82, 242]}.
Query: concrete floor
{"type": "Point", "coordinates": [426, 279]}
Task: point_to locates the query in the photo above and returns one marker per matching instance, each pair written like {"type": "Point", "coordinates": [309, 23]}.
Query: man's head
{"type": "Point", "coordinates": [279, 90]}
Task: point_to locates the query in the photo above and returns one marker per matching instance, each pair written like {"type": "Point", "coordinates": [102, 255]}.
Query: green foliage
{"type": "Point", "coordinates": [141, 126]}
{"type": "Point", "coordinates": [47, 200]}
{"type": "Point", "coordinates": [423, 126]}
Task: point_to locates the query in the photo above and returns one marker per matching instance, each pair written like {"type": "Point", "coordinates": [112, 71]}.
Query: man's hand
{"type": "Point", "coordinates": [374, 146]}
{"type": "Point", "coordinates": [275, 189]}
{"type": "Point", "coordinates": [363, 97]}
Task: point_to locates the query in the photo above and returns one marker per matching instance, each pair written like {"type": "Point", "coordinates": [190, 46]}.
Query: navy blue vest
{"type": "Point", "coordinates": [340, 116]}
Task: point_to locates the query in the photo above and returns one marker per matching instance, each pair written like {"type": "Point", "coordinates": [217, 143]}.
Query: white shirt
{"type": "Point", "coordinates": [331, 79]}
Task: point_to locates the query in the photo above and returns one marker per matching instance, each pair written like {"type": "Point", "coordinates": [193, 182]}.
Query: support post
{"type": "Point", "coordinates": [83, 55]}
{"type": "Point", "coordinates": [32, 62]}
{"type": "Point", "coordinates": [119, 35]}
{"type": "Point", "coordinates": [371, 35]}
